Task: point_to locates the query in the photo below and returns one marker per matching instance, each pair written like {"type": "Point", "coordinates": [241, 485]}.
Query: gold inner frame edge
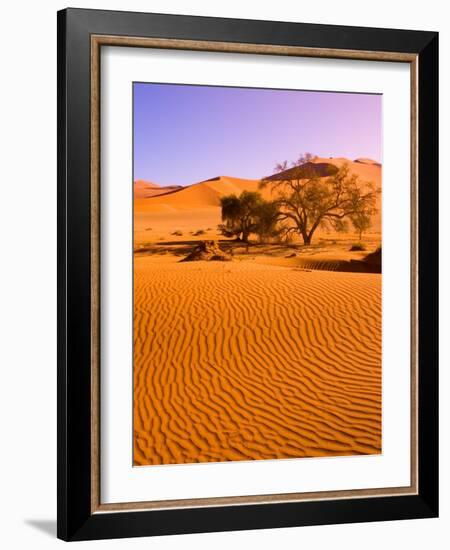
{"type": "Point", "coordinates": [97, 41]}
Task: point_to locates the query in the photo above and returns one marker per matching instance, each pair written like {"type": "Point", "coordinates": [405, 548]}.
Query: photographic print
{"type": "Point", "coordinates": [257, 274]}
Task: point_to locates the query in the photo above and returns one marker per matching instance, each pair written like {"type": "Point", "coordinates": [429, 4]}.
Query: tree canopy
{"type": "Point", "coordinates": [249, 213]}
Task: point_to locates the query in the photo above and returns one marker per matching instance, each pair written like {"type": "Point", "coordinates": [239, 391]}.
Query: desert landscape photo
{"type": "Point", "coordinates": [257, 274]}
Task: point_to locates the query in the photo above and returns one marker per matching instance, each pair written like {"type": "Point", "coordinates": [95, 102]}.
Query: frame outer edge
{"type": "Point", "coordinates": [75, 522]}
{"type": "Point", "coordinates": [428, 212]}
{"type": "Point", "coordinates": [74, 384]}
{"type": "Point", "coordinates": [61, 278]}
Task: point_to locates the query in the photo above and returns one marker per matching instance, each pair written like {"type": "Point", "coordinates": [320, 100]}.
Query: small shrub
{"type": "Point", "coordinates": [199, 232]}
{"type": "Point", "coordinates": [358, 247]}
{"type": "Point", "coordinates": [178, 233]}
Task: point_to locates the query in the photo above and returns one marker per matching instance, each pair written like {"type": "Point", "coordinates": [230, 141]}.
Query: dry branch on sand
{"type": "Point", "coordinates": [207, 251]}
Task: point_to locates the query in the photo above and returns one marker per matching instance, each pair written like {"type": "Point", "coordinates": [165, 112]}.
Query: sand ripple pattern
{"type": "Point", "coordinates": [240, 361]}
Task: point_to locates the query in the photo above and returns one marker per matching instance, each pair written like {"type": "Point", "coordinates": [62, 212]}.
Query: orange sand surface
{"type": "Point", "coordinates": [245, 360]}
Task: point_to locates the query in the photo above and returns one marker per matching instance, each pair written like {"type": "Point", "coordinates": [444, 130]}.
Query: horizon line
{"type": "Point", "coordinates": [197, 182]}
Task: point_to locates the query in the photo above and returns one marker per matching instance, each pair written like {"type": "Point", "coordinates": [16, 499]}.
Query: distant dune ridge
{"type": "Point", "coordinates": [367, 161]}
{"type": "Point", "coordinates": [306, 170]}
{"type": "Point", "coordinates": [203, 194]}
{"type": "Point", "coordinates": [203, 199]}
{"type": "Point", "coordinates": [208, 193]}
{"type": "Point", "coordinates": [146, 189]}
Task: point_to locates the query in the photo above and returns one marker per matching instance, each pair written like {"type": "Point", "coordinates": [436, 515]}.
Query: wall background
{"type": "Point", "coordinates": [28, 272]}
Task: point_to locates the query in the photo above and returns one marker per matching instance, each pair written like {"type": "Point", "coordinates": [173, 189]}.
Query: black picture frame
{"type": "Point", "coordinates": [75, 518]}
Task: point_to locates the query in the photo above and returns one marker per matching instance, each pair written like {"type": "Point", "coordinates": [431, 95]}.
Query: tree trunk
{"type": "Point", "coordinates": [311, 231]}
{"type": "Point", "coordinates": [306, 237]}
{"type": "Point", "coordinates": [245, 236]}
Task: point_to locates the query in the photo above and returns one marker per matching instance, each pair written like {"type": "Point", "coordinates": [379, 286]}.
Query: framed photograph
{"type": "Point", "coordinates": [247, 255]}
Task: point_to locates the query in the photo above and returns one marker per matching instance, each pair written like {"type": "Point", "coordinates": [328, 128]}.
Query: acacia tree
{"type": "Point", "coordinates": [238, 215]}
{"type": "Point", "coordinates": [308, 199]}
{"type": "Point", "coordinates": [246, 214]}
{"type": "Point", "coordinates": [361, 222]}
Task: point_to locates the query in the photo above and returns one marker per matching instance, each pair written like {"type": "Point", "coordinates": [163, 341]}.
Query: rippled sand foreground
{"type": "Point", "coordinates": [243, 361]}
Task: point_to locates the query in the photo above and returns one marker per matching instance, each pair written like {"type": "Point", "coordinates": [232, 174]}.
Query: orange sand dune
{"type": "Point", "coordinates": [242, 361]}
{"type": "Point", "coordinates": [207, 194]}
{"type": "Point", "coordinates": [193, 207]}
{"type": "Point", "coordinates": [200, 195]}
{"type": "Point", "coordinates": [146, 189]}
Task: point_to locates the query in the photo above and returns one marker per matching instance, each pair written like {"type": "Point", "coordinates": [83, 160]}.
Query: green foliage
{"type": "Point", "coordinates": [266, 215]}
{"type": "Point", "coordinates": [361, 222]}
{"type": "Point", "coordinates": [340, 226]}
{"type": "Point", "coordinates": [249, 213]}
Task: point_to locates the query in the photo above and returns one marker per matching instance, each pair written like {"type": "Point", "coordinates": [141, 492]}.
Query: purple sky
{"type": "Point", "coordinates": [185, 134]}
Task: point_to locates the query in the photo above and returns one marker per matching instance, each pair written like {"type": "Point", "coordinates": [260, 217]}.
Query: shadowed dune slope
{"type": "Point", "coordinates": [367, 161]}
{"type": "Point", "coordinates": [304, 171]}
{"type": "Point", "coordinates": [241, 361]}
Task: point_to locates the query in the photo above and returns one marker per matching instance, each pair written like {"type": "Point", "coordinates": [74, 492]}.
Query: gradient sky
{"type": "Point", "coordinates": [185, 134]}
